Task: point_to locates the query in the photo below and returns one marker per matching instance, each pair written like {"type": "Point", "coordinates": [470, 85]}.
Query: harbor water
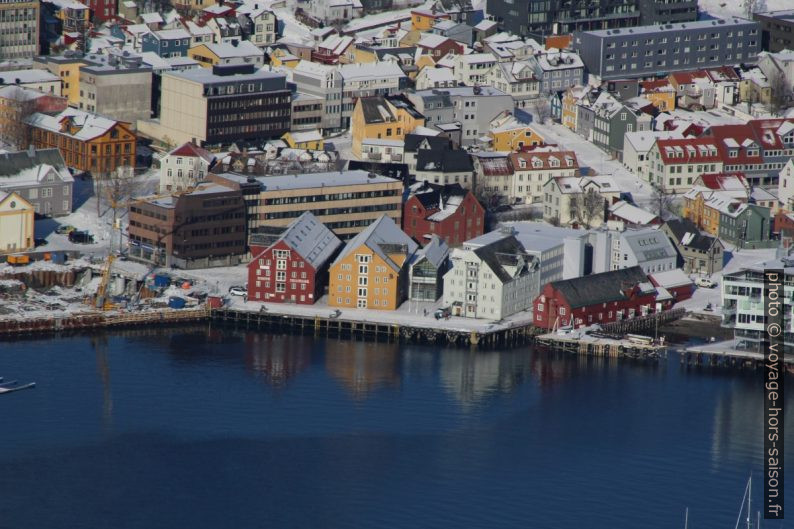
{"type": "Point", "coordinates": [198, 427]}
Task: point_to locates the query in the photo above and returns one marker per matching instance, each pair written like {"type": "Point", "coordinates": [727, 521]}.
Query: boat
{"type": "Point", "coordinates": [10, 387]}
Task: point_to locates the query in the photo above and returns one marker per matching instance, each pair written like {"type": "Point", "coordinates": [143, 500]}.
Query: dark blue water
{"type": "Point", "coordinates": [230, 429]}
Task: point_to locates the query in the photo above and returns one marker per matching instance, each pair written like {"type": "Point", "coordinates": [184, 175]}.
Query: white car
{"type": "Point", "coordinates": [705, 282]}
{"type": "Point", "coordinates": [238, 291]}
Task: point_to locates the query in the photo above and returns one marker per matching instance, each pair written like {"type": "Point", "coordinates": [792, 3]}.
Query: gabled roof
{"type": "Point", "coordinates": [446, 161]}
{"type": "Point", "coordinates": [599, 288]}
{"type": "Point", "coordinates": [731, 182]}
{"type": "Point", "coordinates": [435, 252]}
{"type": "Point", "coordinates": [537, 161]}
{"type": "Point", "coordinates": [89, 125]}
{"type": "Point", "coordinates": [12, 163]}
{"type": "Point", "coordinates": [414, 141]}
{"type": "Point", "coordinates": [194, 151]}
{"type": "Point", "coordinates": [310, 239]}
{"type": "Point", "coordinates": [502, 253]}
{"type": "Point", "coordinates": [687, 234]}
{"type": "Point", "coordinates": [688, 150]}
{"type": "Point", "coordinates": [632, 214]}
{"type": "Point", "coordinates": [380, 237]}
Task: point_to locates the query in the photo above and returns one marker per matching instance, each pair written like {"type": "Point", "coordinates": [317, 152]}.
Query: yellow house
{"type": "Point", "coordinates": [16, 223]}
{"type": "Point", "coordinates": [425, 19]}
{"type": "Point", "coordinates": [282, 57]}
{"type": "Point", "coordinates": [661, 93]}
{"type": "Point", "coordinates": [509, 134]}
{"type": "Point", "coordinates": [383, 117]}
{"type": "Point", "coordinates": [310, 140]}
{"type": "Point", "coordinates": [570, 102]}
{"type": "Point", "coordinates": [425, 61]}
{"type": "Point", "coordinates": [372, 270]}
{"type": "Point", "coordinates": [209, 55]}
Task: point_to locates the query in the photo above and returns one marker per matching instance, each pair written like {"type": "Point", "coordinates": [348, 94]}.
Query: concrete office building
{"type": "Point", "coordinates": [220, 106]}
{"type": "Point", "coordinates": [116, 86]}
{"type": "Point", "coordinates": [540, 18]}
{"type": "Point", "coordinates": [777, 30]}
{"type": "Point", "coordinates": [655, 50]}
{"type": "Point", "coordinates": [345, 201]}
{"type": "Point", "coordinates": [19, 29]}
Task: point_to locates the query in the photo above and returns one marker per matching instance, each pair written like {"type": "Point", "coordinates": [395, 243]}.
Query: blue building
{"type": "Point", "coordinates": [167, 43]}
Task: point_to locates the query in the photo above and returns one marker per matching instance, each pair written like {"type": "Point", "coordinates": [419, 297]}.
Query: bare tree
{"type": "Point", "coordinates": [586, 207]}
{"type": "Point", "coordinates": [751, 7]}
{"type": "Point", "coordinates": [662, 202]}
{"type": "Point", "coordinates": [781, 92]}
{"type": "Point", "coordinates": [554, 221]}
{"type": "Point", "coordinates": [115, 192]}
{"type": "Point", "coordinates": [541, 108]}
{"type": "Point", "coordinates": [488, 196]}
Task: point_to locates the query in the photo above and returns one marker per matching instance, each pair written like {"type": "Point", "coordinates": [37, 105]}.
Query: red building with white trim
{"type": "Point", "coordinates": [449, 211]}
{"type": "Point", "coordinates": [600, 298]}
{"type": "Point", "coordinates": [294, 269]}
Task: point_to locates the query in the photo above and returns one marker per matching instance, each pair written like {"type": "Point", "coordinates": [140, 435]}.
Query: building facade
{"type": "Point", "coordinates": [197, 229]}
{"type": "Point", "coordinates": [294, 269]}
{"type": "Point", "coordinates": [653, 50]}
{"type": "Point", "coordinates": [371, 272]}
{"type": "Point", "coordinates": [16, 223]}
{"type": "Point", "coordinates": [449, 212]}
{"type": "Point", "coordinates": [19, 27]}
{"type": "Point", "coordinates": [184, 167]}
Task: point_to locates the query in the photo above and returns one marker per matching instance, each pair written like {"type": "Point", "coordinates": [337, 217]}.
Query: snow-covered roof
{"type": "Point", "coordinates": [303, 137]}
{"type": "Point", "coordinates": [34, 175]}
{"type": "Point", "coordinates": [225, 50]}
{"type": "Point", "coordinates": [631, 213]}
{"type": "Point", "coordinates": [671, 278]}
{"type": "Point", "coordinates": [311, 239]}
{"type": "Point", "coordinates": [27, 77]}
{"type": "Point", "coordinates": [152, 18]}
{"type": "Point", "coordinates": [89, 125]}
{"type": "Point", "coordinates": [379, 237]}
{"type": "Point", "coordinates": [373, 70]}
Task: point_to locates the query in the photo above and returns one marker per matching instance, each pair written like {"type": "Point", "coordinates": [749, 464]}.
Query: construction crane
{"type": "Point", "coordinates": [100, 300]}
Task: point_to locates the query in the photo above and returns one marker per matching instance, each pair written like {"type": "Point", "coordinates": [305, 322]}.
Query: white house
{"type": "Point", "coordinates": [16, 223]}
{"type": "Point", "coordinates": [637, 146]}
{"type": "Point", "coordinates": [560, 196]}
{"type": "Point", "coordinates": [473, 69]}
{"type": "Point", "coordinates": [491, 281]}
{"type": "Point", "coordinates": [184, 167]}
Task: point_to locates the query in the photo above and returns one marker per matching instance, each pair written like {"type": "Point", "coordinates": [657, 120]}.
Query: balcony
{"type": "Point", "coordinates": [396, 157]}
{"type": "Point", "coordinates": [374, 155]}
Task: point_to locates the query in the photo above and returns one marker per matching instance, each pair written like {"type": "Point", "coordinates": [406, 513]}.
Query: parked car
{"type": "Point", "coordinates": [64, 229]}
{"type": "Point", "coordinates": [81, 237]}
{"type": "Point", "coordinates": [237, 291]}
{"type": "Point", "coordinates": [705, 282]}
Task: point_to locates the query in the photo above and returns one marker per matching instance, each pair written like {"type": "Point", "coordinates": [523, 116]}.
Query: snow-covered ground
{"type": "Point", "coordinates": [591, 156]}
{"type": "Point", "coordinates": [738, 260]}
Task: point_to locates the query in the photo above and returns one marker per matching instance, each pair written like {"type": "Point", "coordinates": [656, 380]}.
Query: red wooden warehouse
{"type": "Point", "coordinates": [294, 269]}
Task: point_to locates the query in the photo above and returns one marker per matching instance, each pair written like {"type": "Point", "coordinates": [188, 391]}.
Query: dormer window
{"type": "Point", "coordinates": [733, 153]}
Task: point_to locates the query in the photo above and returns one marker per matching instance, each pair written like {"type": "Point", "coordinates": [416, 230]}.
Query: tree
{"type": "Point", "coordinates": [586, 207]}
{"type": "Point", "coordinates": [541, 108]}
{"type": "Point", "coordinates": [488, 196]}
{"type": "Point", "coordinates": [751, 7]}
{"type": "Point", "coordinates": [662, 202]}
{"type": "Point", "coordinates": [116, 191]}
{"type": "Point", "coordinates": [781, 92]}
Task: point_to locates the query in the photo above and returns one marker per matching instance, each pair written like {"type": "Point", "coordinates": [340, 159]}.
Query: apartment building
{"type": "Point", "coordinates": [674, 164]}
{"type": "Point", "coordinates": [449, 212]}
{"type": "Point", "coordinates": [182, 168]}
{"type": "Point", "coordinates": [40, 177]}
{"type": "Point", "coordinates": [19, 29]}
{"type": "Point", "coordinates": [652, 50]}
{"type": "Point", "coordinates": [222, 105]}
{"type": "Point", "coordinates": [491, 281]}
{"type": "Point", "coordinates": [743, 304]}
{"type": "Point", "coordinates": [17, 103]}
{"type": "Point", "coordinates": [345, 201]}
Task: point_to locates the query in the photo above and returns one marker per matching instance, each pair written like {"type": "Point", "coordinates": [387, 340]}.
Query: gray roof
{"type": "Point", "coordinates": [435, 252]}
{"type": "Point", "coordinates": [311, 180]}
{"type": "Point", "coordinates": [504, 252]}
{"type": "Point", "coordinates": [670, 28]}
{"type": "Point", "coordinates": [12, 163]}
{"type": "Point", "coordinates": [649, 244]}
{"type": "Point", "coordinates": [599, 288]}
{"type": "Point", "coordinates": [379, 236]}
{"type": "Point", "coordinates": [311, 239]}
{"type": "Point", "coordinates": [535, 236]}
{"type": "Point", "coordinates": [273, 80]}
{"type": "Point", "coordinates": [688, 235]}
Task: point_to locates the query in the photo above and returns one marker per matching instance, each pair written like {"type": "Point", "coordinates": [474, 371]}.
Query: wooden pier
{"type": "Point", "coordinates": [327, 326]}
{"type": "Point", "coordinates": [606, 346]}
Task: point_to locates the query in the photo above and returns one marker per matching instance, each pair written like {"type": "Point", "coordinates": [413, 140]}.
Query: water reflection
{"type": "Point", "coordinates": [363, 367]}
{"type": "Point", "coordinates": [276, 359]}
{"type": "Point", "coordinates": [100, 345]}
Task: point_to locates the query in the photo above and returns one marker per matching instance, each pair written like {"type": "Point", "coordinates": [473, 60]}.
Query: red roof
{"type": "Point", "coordinates": [724, 181]}
{"type": "Point", "coordinates": [545, 159]}
{"type": "Point", "coordinates": [688, 150]}
{"type": "Point", "coordinates": [189, 149]}
{"type": "Point", "coordinates": [655, 86]}
{"type": "Point", "coordinates": [688, 77]}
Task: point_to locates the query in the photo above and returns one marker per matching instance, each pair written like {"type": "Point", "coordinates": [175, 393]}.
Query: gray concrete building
{"type": "Point", "coordinates": [19, 29]}
{"type": "Point", "coordinates": [116, 86]}
{"type": "Point", "coordinates": [777, 30]}
{"type": "Point", "coordinates": [656, 50]}
{"type": "Point", "coordinates": [667, 11]}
